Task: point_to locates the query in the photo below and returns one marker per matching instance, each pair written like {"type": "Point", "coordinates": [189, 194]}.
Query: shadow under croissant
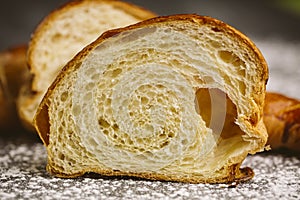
{"type": "Point", "coordinates": [247, 174]}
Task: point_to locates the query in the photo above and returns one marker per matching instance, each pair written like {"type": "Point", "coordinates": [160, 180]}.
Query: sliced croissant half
{"type": "Point", "coordinates": [176, 98]}
{"type": "Point", "coordinates": [62, 34]}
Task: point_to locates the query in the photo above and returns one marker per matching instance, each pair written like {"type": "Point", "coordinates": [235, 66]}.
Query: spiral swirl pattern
{"type": "Point", "coordinates": [138, 110]}
{"type": "Point", "coordinates": [146, 115]}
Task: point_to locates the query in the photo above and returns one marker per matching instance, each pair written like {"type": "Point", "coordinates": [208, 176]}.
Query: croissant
{"type": "Point", "coordinates": [13, 75]}
{"type": "Point", "coordinates": [282, 120]}
{"type": "Point", "coordinates": [61, 35]}
{"type": "Point", "coordinates": [177, 98]}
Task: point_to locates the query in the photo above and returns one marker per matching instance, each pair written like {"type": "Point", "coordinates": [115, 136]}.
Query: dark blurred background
{"type": "Point", "coordinates": [256, 18]}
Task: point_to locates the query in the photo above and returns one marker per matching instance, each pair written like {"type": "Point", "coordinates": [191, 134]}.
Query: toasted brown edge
{"type": "Point", "coordinates": [236, 175]}
{"type": "Point", "coordinates": [41, 119]}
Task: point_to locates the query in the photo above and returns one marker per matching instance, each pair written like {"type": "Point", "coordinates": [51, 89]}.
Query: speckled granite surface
{"type": "Point", "coordinates": [23, 160]}
{"type": "Point", "coordinates": [23, 176]}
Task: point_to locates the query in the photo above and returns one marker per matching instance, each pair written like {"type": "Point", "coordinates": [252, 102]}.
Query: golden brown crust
{"type": "Point", "coordinates": [282, 119]}
{"type": "Point", "coordinates": [42, 123]}
{"type": "Point", "coordinates": [237, 175]}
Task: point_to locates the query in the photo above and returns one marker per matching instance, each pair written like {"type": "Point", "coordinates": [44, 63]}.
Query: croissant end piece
{"type": "Point", "coordinates": [282, 120]}
{"type": "Point", "coordinates": [176, 98]}
{"type": "Point", "coordinates": [62, 34]}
